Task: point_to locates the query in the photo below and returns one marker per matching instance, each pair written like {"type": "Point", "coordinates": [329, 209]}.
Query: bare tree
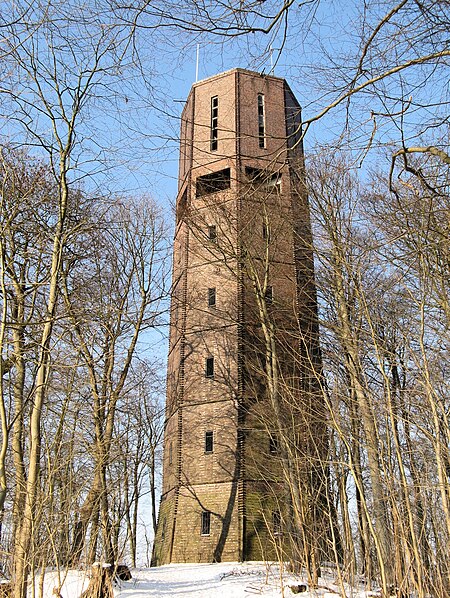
{"type": "Point", "coordinates": [374, 317]}
{"type": "Point", "coordinates": [114, 294]}
{"type": "Point", "coordinates": [52, 73]}
{"type": "Point", "coordinates": [138, 447]}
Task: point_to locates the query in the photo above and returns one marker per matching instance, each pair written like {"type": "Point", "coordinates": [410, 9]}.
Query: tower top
{"type": "Point", "coordinates": [240, 73]}
{"type": "Point", "coordinates": [237, 70]}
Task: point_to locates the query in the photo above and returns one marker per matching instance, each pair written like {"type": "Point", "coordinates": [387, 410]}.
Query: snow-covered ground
{"type": "Point", "coordinates": [222, 580]}
{"type": "Point", "coordinates": [205, 581]}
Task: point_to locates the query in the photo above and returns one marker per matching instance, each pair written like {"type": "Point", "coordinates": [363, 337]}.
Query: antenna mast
{"type": "Point", "coordinates": [196, 63]}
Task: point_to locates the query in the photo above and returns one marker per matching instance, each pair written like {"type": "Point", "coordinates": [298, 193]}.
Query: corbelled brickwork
{"type": "Point", "coordinates": [242, 262]}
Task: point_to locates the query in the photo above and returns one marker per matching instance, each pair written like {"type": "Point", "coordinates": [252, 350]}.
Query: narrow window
{"type": "Point", "coordinates": [209, 367]}
{"type": "Point", "coordinates": [261, 121]}
{"type": "Point", "coordinates": [214, 122]}
{"type": "Point", "coordinates": [273, 444]}
{"type": "Point", "coordinates": [206, 523]}
{"type": "Point", "coordinates": [212, 233]}
{"type": "Point", "coordinates": [276, 523]}
{"type": "Point", "coordinates": [265, 231]}
{"type": "Point", "coordinates": [209, 442]}
{"type": "Point", "coordinates": [269, 295]}
{"type": "Point", "coordinates": [212, 297]}
{"type": "Point", "coordinates": [170, 454]}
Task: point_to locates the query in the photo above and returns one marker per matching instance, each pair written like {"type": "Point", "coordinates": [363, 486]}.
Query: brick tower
{"type": "Point", "coordinates": [243, 414]}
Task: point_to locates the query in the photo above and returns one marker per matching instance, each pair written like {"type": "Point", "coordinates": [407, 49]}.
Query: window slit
{"type": "Point", "coordinates": [214, 122]}
{"type": "Point", "coordinates": [261, 121]}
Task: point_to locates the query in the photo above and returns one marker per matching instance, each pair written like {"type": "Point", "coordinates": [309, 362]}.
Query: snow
{"type": "Point", "coordinates": [221, 580]}
{"type": "Point", "coordinates": [203, 581]}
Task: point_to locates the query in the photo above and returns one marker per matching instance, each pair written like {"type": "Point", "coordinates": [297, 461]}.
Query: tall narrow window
{"type": "Point", "coordinates": [214, 122]}
{"type": "Point", "coordinates": [269, 295]}
{"type": "Point", "coordinates": [212, 297]}
{"type": "Point", "coordinates": [261, 121]}
{"type": "Point", "coordinates": [209, 367]}
{"type": "Point", "coordinates": [212, 233]}
{"type": "Point", "coordinates": [206, 523]}
{"type": "Point", "coordinates": [170, 454]}
{"type": "Point", "coordinates": [209, 442]}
